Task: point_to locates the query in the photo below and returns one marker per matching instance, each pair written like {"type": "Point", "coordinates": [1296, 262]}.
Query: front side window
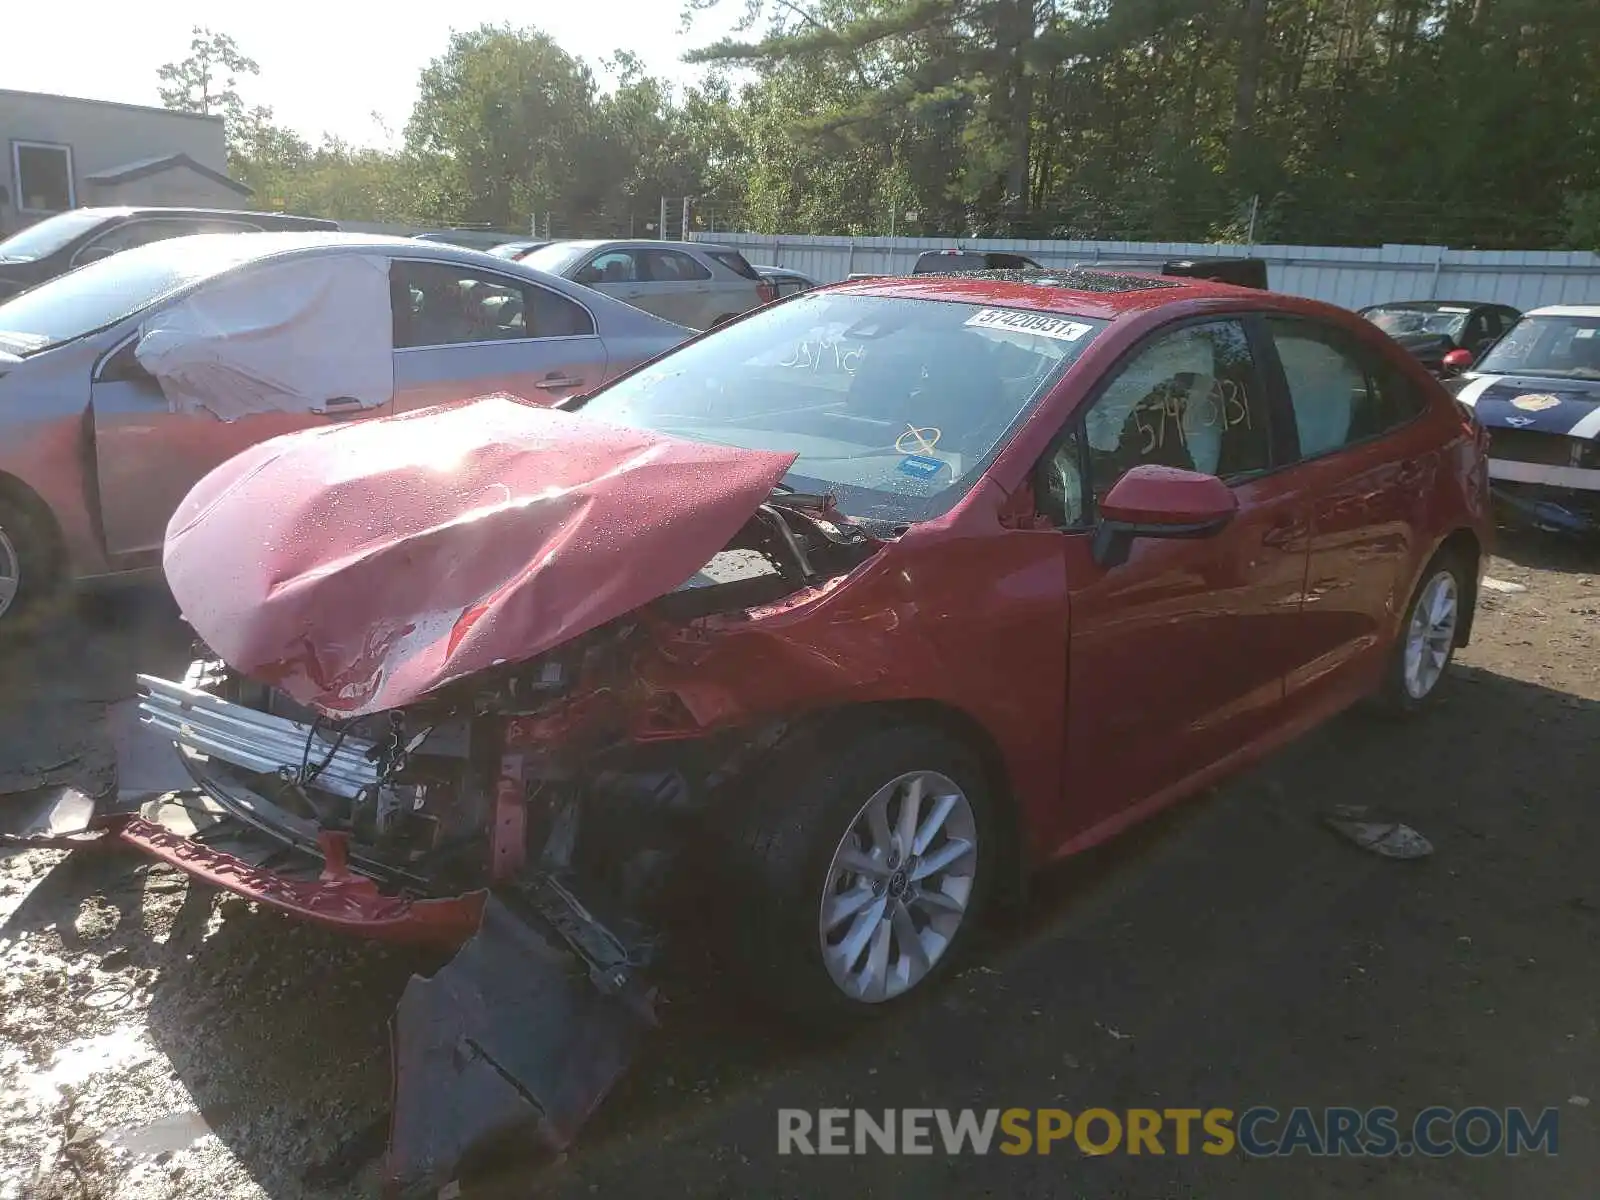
{"type": "Point", "coordinates": [896, 406]}
{"type": "Point", "coordinates": [614, 266]}
{"type": "Point", "coordinates": [440, 304]}
{"type": "Point", "coordinates": [1340, 394]}
{"type": "Point", "coordinates": [1560, 346]}
{"type": "Point", "coordinates": [1398, 322]}
{"type": "Point", "coordinates": [1190, 399]}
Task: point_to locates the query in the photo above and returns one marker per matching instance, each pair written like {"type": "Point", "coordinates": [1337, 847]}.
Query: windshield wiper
{"type": "Point", "coordinates": [784, 495]}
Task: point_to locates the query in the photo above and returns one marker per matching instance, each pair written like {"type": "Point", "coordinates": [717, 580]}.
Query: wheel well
{"type": "Point", "coordinates": [1463, 546]}
{"type": "Point", "coordinates": [961, 727]}
{"type": "Point", "coordinates": [40, 518]}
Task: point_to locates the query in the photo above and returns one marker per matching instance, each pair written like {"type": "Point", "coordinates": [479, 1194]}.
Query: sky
{"type": "Point", "coordinates": [325, 68]}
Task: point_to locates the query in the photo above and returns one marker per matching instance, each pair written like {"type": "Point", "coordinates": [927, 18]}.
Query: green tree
{"type": "Point", "coordinates": [503, 120]}
{"type": "Point", "coordinates": [207, 81]}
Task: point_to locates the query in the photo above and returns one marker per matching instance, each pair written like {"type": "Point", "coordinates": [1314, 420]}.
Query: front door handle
{"type": "Point", "coordinates": [553, 383]}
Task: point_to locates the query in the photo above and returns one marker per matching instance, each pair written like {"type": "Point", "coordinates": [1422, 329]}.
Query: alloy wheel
{"type": "Point", "coordinates": [899, 887]}
{"type": "Point", "coordinates": [10, 572]}
{"type": "Point", "coordinates": [1431, 635]}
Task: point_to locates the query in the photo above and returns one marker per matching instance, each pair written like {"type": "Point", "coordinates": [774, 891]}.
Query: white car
{"type": "Point", "coordinates": [697, 284]}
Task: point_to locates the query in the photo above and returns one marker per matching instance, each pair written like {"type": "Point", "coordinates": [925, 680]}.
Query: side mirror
{"type": "Point", "coordinates": [1160, 502]}
{"type": "Point", "coordinates": [1457, 360]}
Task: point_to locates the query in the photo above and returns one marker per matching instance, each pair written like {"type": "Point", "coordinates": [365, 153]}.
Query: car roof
{"type": "Point", "coordinates": [285, 244]}
{"type": "Point", "coordinates": [1436, 305]}
{"type": "Point", "coordinates": [275, 241]}
{"type": "Point", "coordinates": [1566, 310]}
{"type": "Point", "coordinates": [167, 210]}
{"type": "Point", "coordinates": [641, 244]}
{"type": "Point", "coordinates": [1103, 295]}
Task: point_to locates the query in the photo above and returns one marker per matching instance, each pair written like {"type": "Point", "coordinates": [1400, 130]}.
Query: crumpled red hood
{"type": "Point", "coordinates": [358, 567]}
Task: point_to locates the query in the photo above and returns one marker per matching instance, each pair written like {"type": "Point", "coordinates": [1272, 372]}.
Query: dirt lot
{"type": "Point", "coordinates": [156, 1041]}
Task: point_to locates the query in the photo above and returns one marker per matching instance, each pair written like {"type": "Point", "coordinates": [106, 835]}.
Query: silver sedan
{"type": "Point", "coordinates": [124, 382]}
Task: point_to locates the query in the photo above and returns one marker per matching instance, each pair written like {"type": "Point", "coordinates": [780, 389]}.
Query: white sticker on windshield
{"type": "Point", "coordinates": [1059, 328]}
{"type": "Point", "coordinates": [1584, 333]}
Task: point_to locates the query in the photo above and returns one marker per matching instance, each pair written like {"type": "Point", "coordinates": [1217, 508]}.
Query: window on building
{"type": "Point", "coordinates": [43, 176]}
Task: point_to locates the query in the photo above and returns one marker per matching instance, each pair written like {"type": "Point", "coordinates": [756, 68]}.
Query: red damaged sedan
{"type": "Point", "coordinates": [872, 601]}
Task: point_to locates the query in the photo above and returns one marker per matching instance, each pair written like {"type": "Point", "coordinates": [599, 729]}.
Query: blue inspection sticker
{"type": "Point", "coordinates": [919, 466]}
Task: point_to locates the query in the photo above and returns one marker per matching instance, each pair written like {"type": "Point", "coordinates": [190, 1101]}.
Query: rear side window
{"type": "Point", "coordinates": [935, 261]}
{"type": "Point", "coordinates": [673, 266]}
{"type": "Point", "coordinates": [735, 262]}
{"type": "Point", "coordinates": [553, 315]}
{"type": "Point", "coordinates": [1340, 392]}
{"type": "Point", "coordinates": [440, 304]}
{"type": "Point", "coordinates": [1010, 262]}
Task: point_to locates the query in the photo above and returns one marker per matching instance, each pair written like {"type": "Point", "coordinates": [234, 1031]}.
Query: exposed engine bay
{"type": "Point", "coordinates": [493, 772]}
{"type": "Point", "coordinates": [569, 788]}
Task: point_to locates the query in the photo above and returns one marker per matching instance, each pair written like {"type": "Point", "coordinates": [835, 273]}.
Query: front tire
{"type": "Point", "coordinates": [864, 866]}
{"type": "Point", "coordinates": [1427, 640]}
{"type": "Point", "coordinates": [27, 569]}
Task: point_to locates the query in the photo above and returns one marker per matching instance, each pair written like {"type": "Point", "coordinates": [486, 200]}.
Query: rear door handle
{"type": "Point", "coordinates": [553, 383]}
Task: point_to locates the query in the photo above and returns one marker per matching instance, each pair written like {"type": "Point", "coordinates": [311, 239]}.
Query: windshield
{"type": "Point", "coordinates": [1560, 346]}
{"type": "Point", "coordinates": [894, 405]}
{"type": "Point", "coordinates": [104, 292]}
{"type": "Point", "coordinates": [555, 258]}
{"type": "Point", "coordinates": [1399, 321]}
{"type": "Point", "coordinates": [44, 238]}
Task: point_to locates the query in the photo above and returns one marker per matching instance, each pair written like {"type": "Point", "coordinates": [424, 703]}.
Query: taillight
{"type": "Point", "coordinates": [767, 292]}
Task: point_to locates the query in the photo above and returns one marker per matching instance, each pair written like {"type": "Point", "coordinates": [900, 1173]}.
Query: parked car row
{"type": "Point", "coordinates": [71, 239]}
{"type": "Point", "coordinates": [125, 381]}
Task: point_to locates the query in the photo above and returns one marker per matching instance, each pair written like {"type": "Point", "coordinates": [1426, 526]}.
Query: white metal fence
{"type": "Point", "coordinates": [1343, 275]}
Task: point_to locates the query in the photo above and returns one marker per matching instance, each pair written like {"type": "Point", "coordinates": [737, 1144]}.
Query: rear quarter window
{"type": "Point", "coordinates": [735, 262]}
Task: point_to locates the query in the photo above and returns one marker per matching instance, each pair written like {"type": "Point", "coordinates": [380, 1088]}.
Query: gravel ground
{"type": "Point", "coordinates": [159, 1041]}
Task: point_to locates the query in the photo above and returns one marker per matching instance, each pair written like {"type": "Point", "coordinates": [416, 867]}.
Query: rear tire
{"type": "Point", "coordinates": [1427, 640]}
{"type": "Point", "coordinates": [840, 913]}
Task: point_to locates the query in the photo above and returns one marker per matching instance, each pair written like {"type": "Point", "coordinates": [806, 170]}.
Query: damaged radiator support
{"type": "Point", "coordinates": [255, 741]}
{"type": "Point", "coordinates": [514, 1042]}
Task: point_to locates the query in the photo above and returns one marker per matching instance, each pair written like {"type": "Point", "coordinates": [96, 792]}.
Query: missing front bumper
{"type": "Point", "coordinates": [511, 1046]}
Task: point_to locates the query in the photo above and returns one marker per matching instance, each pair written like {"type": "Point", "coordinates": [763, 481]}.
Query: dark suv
{"type": "Point", "coordinates": [56, 244]}
{"type": "Point", "coordinates": [943, 262]}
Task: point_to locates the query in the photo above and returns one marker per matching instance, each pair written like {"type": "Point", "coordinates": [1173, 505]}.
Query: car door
{"type": "Point", "coordinates": [622, 274]}
{"type": "Point", "coordinates": [1177, 657]}
{"type": "Point", "coordinates": [149, 451]}
{"type": "Point", "coordinates": [1369, 466]}
{"type": "Point", "coordinates": [683, 290]}
{"type": "Point", "coordinates": [462, 331]}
